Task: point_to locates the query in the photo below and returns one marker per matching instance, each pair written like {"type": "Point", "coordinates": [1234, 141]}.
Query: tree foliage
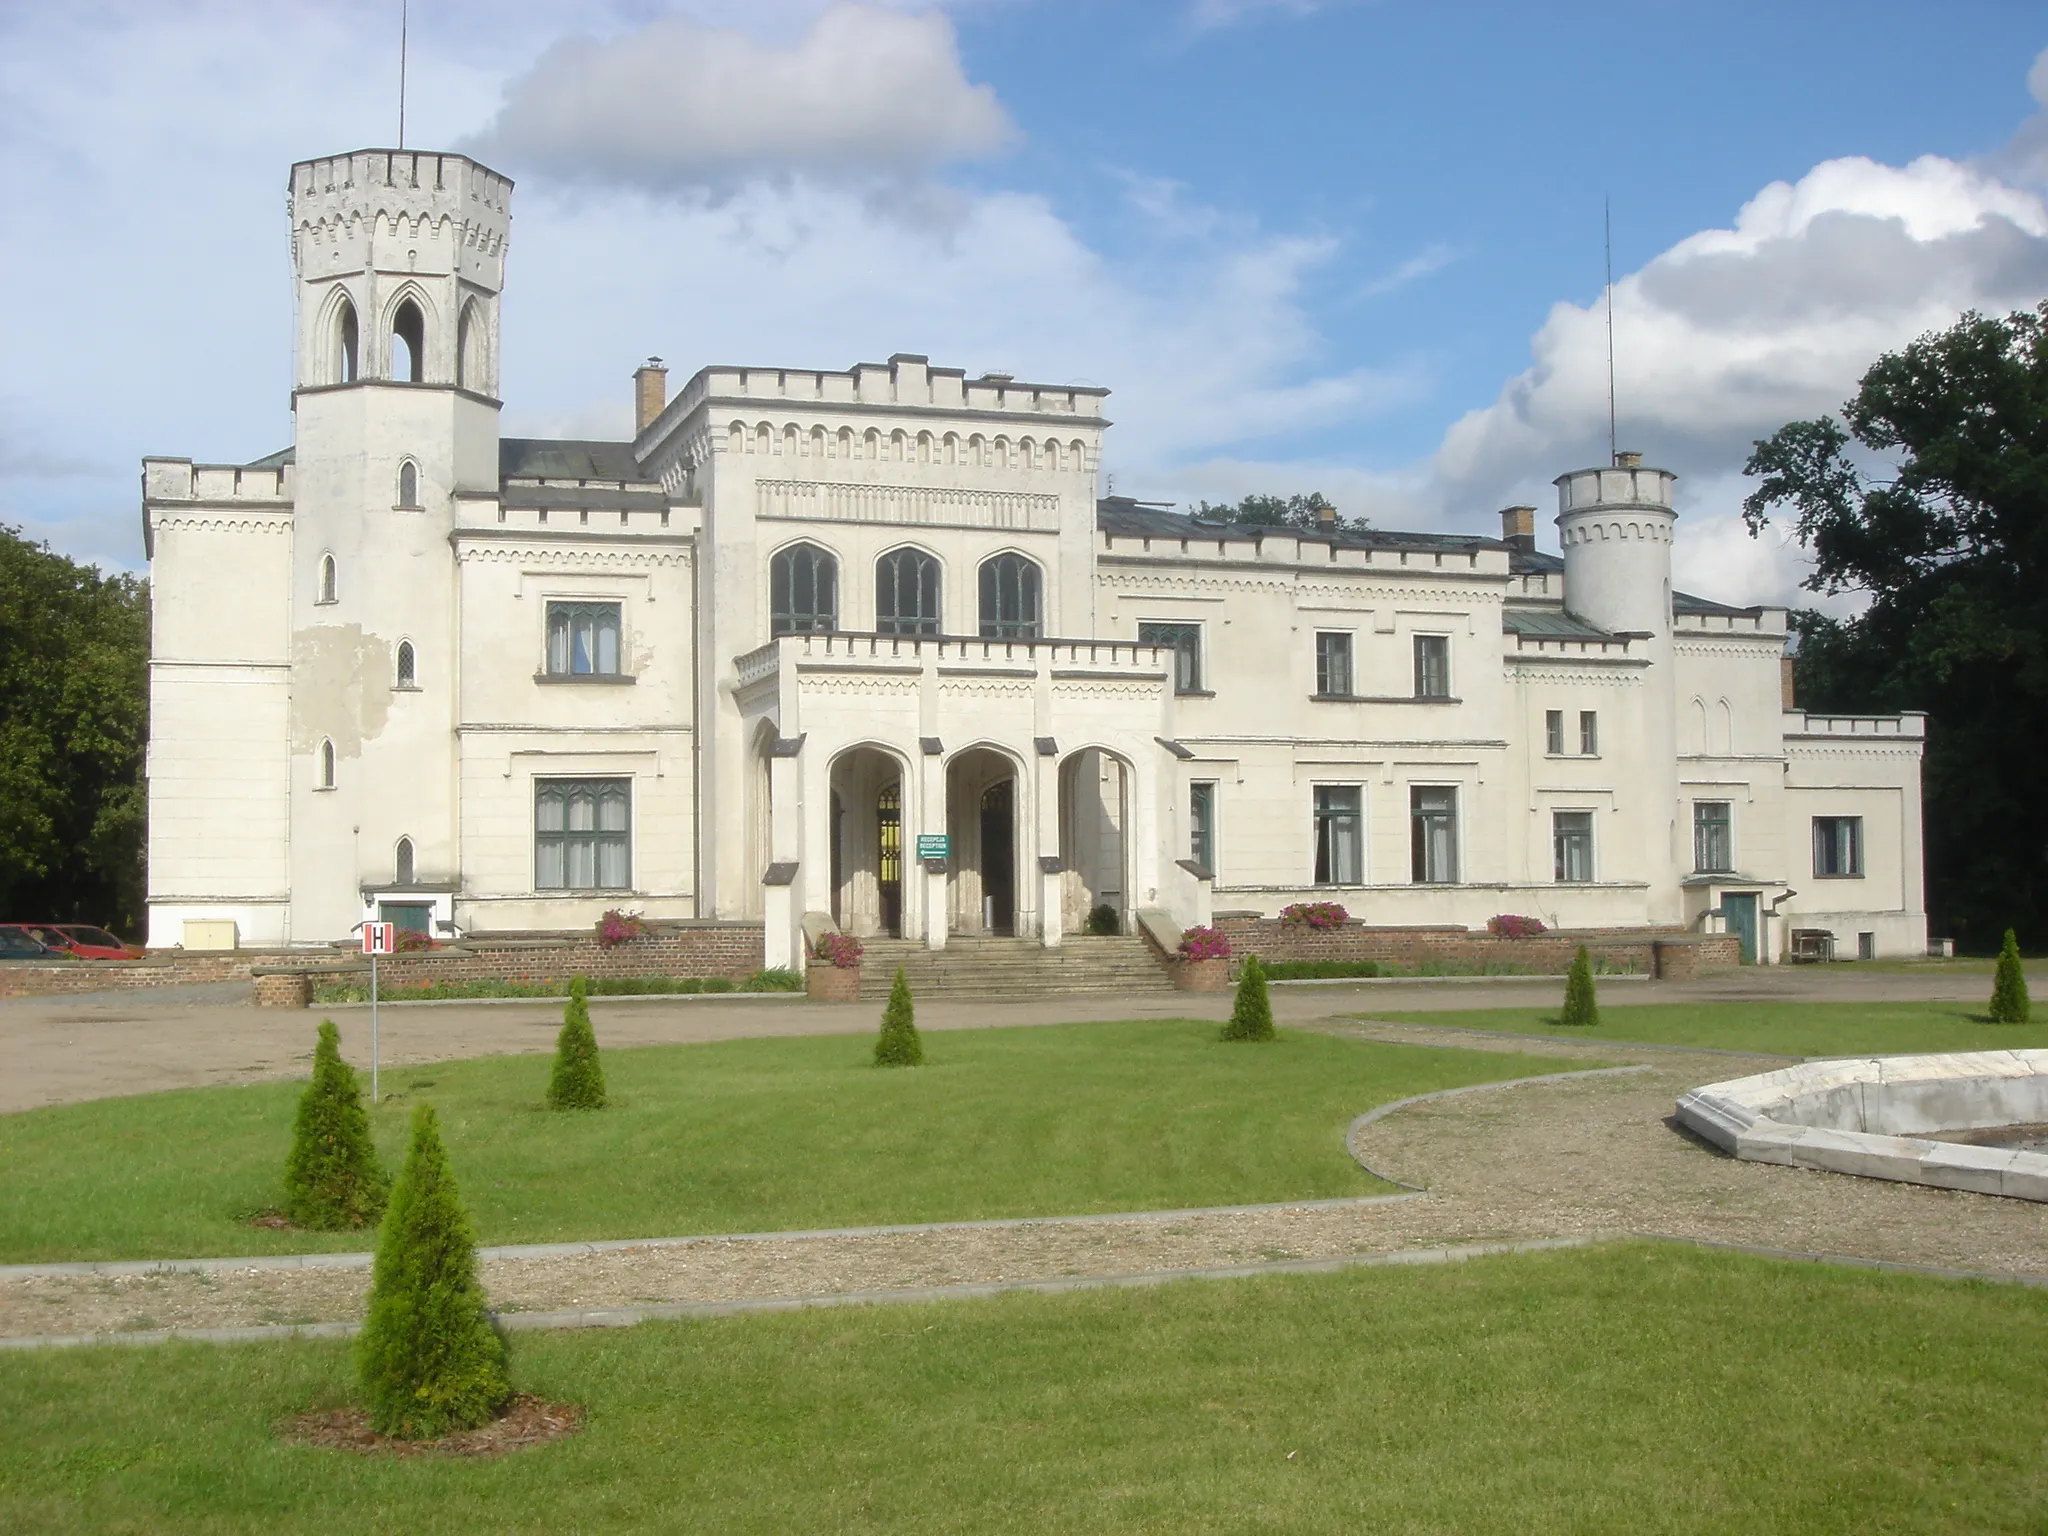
{"type": "Point", "coordinates": [1930, 497]}
{"type": "Point", "coordinates": [74, 711]}
{"type": "Point", "coordinates": [430, 1358]}
{"type": "Point", "coordinates": [331, 1177]}
{"type": "Point", "coordinates": [898, 1044]}
{"type": "Point", "coordinates": [578, 1079]}
{"type": "Point", "coordinates": [1251, 1013]}
{"type": "Point", "coordinates": [2009, 1001]}
{"type": "Point", "coordinates": [1301, 511]}
{"type": "Point", "coordinates": [1581, 1005]}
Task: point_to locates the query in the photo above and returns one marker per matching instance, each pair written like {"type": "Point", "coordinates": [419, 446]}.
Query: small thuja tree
{"type": "Point", "coordinates": [1580, 1005]}
{"type": "Point", "coordinates": [431, 1361]}
{"type": "Point", "coordinates": [1252, 1017]}
{"type": "Point", "coordinates": [331, 1177]}
{"type": "Point", "coordinates": [2009, 1002]}
{"type": "Point", "coordinates": [578, 1081]}
{"type": "Point", "coordinates": [898, 1045]}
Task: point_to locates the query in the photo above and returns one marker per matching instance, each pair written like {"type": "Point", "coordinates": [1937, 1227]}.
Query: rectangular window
{"type": "Point", "coordinates": [1433, 828]}
{"type": "Point", "coordinates": [582, 834]}
{"type": "Point", "coordinates": [1837, 846]}
{"type": "Point", "coordinates": [1432, 666]}
{"type": "Point", "coordinates": [1571, 837]}
{"type": "Point", "coordinates": [1553, 732]}
{"type": "Point", "coordinates": [1589, 733]}
{"type": "Point", "coordinates": [1713, 837]}
{"type": "Point", "coordinates": [1186, 640]}
{"type": "Point", "coordinates": [583, 639]}
{"type": "Point", "coordinates": [1202, 825]}
{"type": "Point", "coordinates": [1333, 665]}
{"type": "Point", "coordinates": [1340, 839]}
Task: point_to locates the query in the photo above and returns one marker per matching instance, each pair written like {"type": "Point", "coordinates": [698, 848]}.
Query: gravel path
{"type": "Point", "coordinates": [1537, 1160]}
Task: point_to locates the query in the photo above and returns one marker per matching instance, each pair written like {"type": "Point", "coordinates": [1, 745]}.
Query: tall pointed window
{"type": "Point", "coordinates": [401, 863]}
{"type": "Point", "coordinates": [1010, 598]}
{"type": "Point", "coordinates": [409, 484]}
{"type": "Point", "coordinates": [408, 343]}
{"type": "Point", "coordinates": [408, 666]}
{"type": "Point", "coordinates": [469, 348]}
{"type": "Point", "coordinates": [345, 344]}
{"type": "Point", "coordinates": [907, 593]}
{"type": "Point", "coordinates": [326, 589]}
{"type": "Point", "coordinates": [803, 591]}
{"type": "Point", "coordinates": [326, 765]}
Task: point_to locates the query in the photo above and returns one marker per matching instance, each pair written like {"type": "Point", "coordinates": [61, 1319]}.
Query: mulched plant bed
{"type": "Point", "coordinates": [527, 1421]}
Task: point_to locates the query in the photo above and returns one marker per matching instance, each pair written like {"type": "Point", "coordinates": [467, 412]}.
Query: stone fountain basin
{"type": "Point", "coordinates": [1875, 1117]}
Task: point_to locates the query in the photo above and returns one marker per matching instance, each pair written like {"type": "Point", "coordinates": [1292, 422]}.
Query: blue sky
{"type": "Point", "coordinates": [1353, 247]}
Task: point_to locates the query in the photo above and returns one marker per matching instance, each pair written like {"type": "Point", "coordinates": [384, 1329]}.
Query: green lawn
{"type": "Point", "coordinates": [751, 1135]}
{"type": "Point", "coordinates": [1785, 1029]}
{"type": "Point", "coordinates": [1643, 1389]}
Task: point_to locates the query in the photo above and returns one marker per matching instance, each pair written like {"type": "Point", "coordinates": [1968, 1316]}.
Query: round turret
{"type": "Point", "coordinates": [1615, 526]}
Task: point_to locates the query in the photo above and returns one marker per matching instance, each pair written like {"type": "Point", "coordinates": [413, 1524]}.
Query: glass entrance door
{"type": "Point", "coordinates": [889, 868]}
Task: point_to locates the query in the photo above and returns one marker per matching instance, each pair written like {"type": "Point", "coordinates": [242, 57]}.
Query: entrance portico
{"type": "Point", "coordinates": [889, 739]}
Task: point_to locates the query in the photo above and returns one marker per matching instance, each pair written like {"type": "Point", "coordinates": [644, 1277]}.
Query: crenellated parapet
{"type": "Point", "coordinates": [400, 210]}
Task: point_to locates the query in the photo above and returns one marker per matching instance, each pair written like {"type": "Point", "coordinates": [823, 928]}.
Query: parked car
{"type": "Point", "coordinates": [17, 944]}
{"type": "Point", "coordinates": [90, 943]}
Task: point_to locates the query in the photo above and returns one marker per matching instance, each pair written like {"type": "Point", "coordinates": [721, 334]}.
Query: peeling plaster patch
{"type": "Point", "coordinates": [340, 688]}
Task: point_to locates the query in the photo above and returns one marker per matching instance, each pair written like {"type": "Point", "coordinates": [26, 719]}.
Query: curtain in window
{"type": "Point", "coordinates": [1333, 665]}
{"type": "Point", "coordinates": [1432, 667]}
{"type": "Point", "coordinates": [1433, 817]}
{"type": "Point", "coordinates": [1713, 843]}
{"type": "Point", "coordinates": [1572, 835]}
{"type": "Point", "coordinates": [1009, 598]}
{"type": "Point", "coordinates": [582, 834]}
{"type": "Point", "coordinates": [583, 639]}
{"type": "Point", "coordinates": [1186, 640]}
{"type": "Point", "coordinates": [1340, 845]}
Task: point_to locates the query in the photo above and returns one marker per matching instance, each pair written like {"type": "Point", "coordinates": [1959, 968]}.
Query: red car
{"type": "Point", "coordinates": [81, 941]}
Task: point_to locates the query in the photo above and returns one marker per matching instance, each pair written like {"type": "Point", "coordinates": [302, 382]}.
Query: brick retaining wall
{"type": "Point", "coordinates": [1668, 952]}
{"type": "Point", "coordinates": [732, 950]}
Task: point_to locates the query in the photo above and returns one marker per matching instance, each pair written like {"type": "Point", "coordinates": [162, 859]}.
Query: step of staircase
{"type": "Point", "coordinates": [1012, 968]}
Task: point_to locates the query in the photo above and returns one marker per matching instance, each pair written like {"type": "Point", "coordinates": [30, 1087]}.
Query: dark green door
{"type": "Point", "coordinates": [1740, 911]}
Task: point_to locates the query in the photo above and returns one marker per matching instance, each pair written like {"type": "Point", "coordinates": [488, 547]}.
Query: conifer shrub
{"type": "Point", "coordinates": [331, 1177]}
{"type": "Point", "coordinates": [1103, 922]}
{"type": "Point", "coordinates": [578, 1081]}
{"type": "Point", "coordinates": [898, 1044]}
{"type": "Point", "coordinates": [1252, 1016]}
{"type": "Point", "coordinates": [1580, 1005]}
{"type": "Point", "coordinates": [2009, 1001]}
{"type": "Point", "coordinates": [430, 1358]}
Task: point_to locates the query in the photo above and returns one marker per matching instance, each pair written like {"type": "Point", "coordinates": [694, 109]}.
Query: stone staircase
{"type": "Point", "coordinates": [999, 969]}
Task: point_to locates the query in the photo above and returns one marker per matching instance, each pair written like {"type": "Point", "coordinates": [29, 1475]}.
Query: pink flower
{"type": "Point", "coordinates": [1205, 944]}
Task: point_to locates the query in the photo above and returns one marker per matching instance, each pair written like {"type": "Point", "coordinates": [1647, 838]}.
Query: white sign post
{"type": "Point", "coordinates": [378, 939]}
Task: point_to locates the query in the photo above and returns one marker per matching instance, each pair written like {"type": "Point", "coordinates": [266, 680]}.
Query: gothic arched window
{"type": "Point", "coordinates": [803, 591]}
{"type": "Point", "coordinates": [1009, 598]}
{"type": "Point", "coordinates": [907, 593]}
{"type": "Point", "coordinates": [469, 348]}
{"type": "Point", "coordinates": [327, 765]}
{"type": "Point", "coordinates": [408, 484]}
{"type": "Point", "coordinates": [408, 665]}
{"type": "Point", "coordinates": [327, 581]}
{"type": "Point", "coordinates": [401, 863]}
{"type": "Point", "coordinates": [409, 343]}
{"type": "Point", "coordinates": [344, 370]}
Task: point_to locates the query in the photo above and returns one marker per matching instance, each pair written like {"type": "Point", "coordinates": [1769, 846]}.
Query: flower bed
{"type": "Point", "coordinates": [1509, 926]}
{"type": "Point", "coordinates": [1205, 944]}
{"type": "Point", "coordinates": [1319, 915]}
{"type": "Point", "coordinates": [841, 950]}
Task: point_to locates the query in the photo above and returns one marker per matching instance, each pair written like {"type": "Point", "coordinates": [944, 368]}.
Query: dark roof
{"type": "Point", "coordinates": [1529, 562]}
{"type": "Point", "coordinates": [554, 458]}
{"type": "Point", "coordinates": [1127, 518]}
{"type": "Point", "coordinates": [276, 460]}
{"type": "Point", "coordinates": [1685, 602]}
{"type": "Point", "coordinates": [1550, 624]}
{"type": "Point", "coordinates": [581, 498]}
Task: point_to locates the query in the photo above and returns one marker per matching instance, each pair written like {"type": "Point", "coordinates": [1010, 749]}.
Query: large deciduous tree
{"type": "Point", "coordinates": [1930, 495]}
{"type": "Point", "coordinates": [74, 656]}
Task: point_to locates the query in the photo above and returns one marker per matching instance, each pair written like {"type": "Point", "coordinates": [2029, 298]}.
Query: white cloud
{"type": "Point", "coordinates": [1207, 15]}
{"type": "Point", "coordinates": [1430, 259]}
{"type": "Point", "coordinates": [1733, 332]}
{"type": "Point", "coordinates": [864, 91]}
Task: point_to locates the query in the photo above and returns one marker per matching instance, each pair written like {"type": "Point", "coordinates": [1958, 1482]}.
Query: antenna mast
{"type": "Point", "coordinates": [404, 18]}
{"type": "Point", "coordinates": [1607, 231]}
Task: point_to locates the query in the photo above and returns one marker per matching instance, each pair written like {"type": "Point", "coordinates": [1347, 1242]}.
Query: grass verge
{"type": "Point", "coordinates": [749, 1135]}
{"type": "Point", "coordinates": [1784, 1029]}
{"type": "Point", "coordinates": [1643, 1389]}
{"type": "Point", "coordinates": [600, 986]}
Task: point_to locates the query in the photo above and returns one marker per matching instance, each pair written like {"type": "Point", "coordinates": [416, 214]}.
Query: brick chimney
{"type": "Point", "coordinates": [1326, 519]}
{"type": "Point", "coordinates": [650, 393]}
{"type": "Point", "coordinates": [1787, 691]}
{"type": "Point", "coordinates": [1518, 527]}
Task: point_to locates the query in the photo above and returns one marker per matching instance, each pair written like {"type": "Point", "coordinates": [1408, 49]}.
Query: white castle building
{"type": "Point", "coordinates": [868, 644]}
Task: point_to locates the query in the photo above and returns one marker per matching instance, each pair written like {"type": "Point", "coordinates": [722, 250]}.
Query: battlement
{"type": "Point", "coordinates": [180, 480]}
{"type": "Point", "coordinates": [443, 207]}
{"type": "Point", "coordinates": [907, 382]}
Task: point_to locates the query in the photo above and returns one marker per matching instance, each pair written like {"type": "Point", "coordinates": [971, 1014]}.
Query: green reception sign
{"type": "Point", "coordinates": [933, 845]}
